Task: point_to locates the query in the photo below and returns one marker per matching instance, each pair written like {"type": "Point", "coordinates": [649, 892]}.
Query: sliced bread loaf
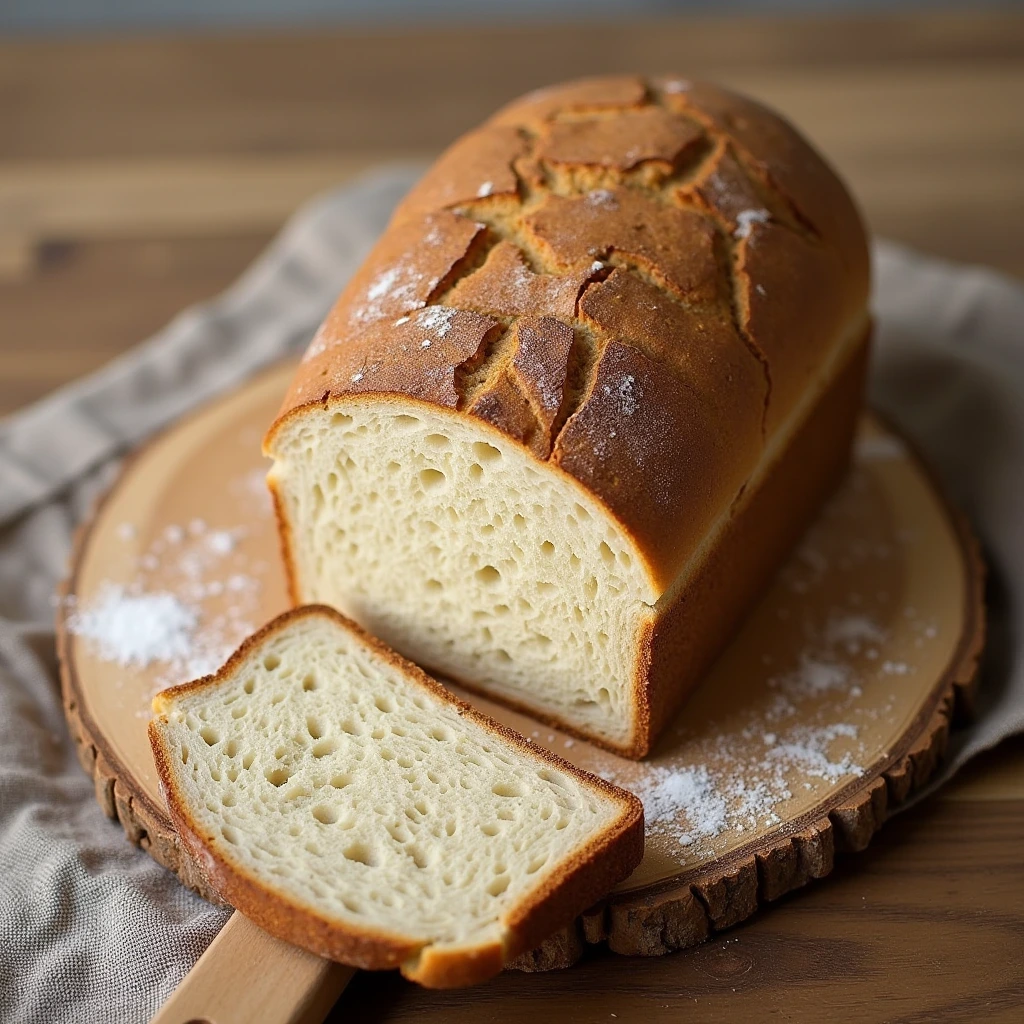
{"type": "Point", "coordinates": [581, 399]}
{"type": "Point", "coordinates": [349, 804]}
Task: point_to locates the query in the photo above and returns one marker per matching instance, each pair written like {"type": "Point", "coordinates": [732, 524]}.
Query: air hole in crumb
{"type": "Point", "coordinates": [485, 452]}
{"type": "Point", "coordinates": [309, 682]}
{"type": "Point", "coordinates": [324, 747]}
{"type": "Point", "coordinates": [553, 777]}
{"type": "Point", "coordinates": [341, 781]}
{"type": "Point", "coordinates": [383, 704]}
{"type": "Point", "coordinates": [488, 575]}
{"type": "Point", "coordinates": [476, 471]}
{"type": "Point", "coordinates": [499, 885]}
{"type": "Point", "coordinates": [489, 829]}
{"type": "Point", "coordinates": [248, 760]}
{"type": "Point", "coordinates": [277, 776]}
{"type": "Point", "coordinates": [339, 419]}
{"type": "Point", "coordinates": [240, 711]}
{"type": "Point", "coordinates": [506, 788]}
{"type": "Point", "coordinates": [431, 478]}
{"type": "Point", "coordinates": [230, 834]}
{"type": "Point", "coordinates": [437, 441]}
{"type": "Point", "coordinates": [210, 735]}
{"type": "Point", "coordinates": [607, 555]}
{"type": "Point", "coordinates": [535, 865]}
{"type": "Point", "coordinates": [434, 585]}
{"type": "Point", "coordinates": [231, 748]}
{"type": "Point", "coordinates": [325, 815]}
{"type": "Point", "coordinates": [313, 727]}
{"type": "Point", "coordinates": [271, 661]}
{"type": "Point", "coordinates": [441, 735]}
{"type": "Point", "coordinates": [405, 421]}
{"type": "Point", "coordinates": [184, 755]}
{"type": "Point", "coordinates": [360, 853]}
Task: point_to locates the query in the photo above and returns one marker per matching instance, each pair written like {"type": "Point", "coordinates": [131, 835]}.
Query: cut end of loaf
{"type": "Point", "coordinates": [456, 547]}
{"type": "Point", "coordinates": [350, 805]}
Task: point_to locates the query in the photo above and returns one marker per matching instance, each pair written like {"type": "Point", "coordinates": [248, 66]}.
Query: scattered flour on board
{"type": "Point", "coordinates": [188, 605]}
{"type": "Point", "coordinates": [693, 804]}
{"type": "Point", "coordinates": [136, 629]}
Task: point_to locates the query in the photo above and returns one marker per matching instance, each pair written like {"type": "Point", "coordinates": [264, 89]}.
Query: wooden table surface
{"type": "Point", "coordinates": [137, 176]}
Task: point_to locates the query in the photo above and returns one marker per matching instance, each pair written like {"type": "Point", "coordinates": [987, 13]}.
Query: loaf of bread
{"type": "Point", "coordinates": [350, 805]}
{"type": "Point", "coordinates": [588, 389]}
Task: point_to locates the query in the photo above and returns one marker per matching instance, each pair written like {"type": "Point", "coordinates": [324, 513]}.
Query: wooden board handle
{"type": "Point", "coordinates": [247, 975]}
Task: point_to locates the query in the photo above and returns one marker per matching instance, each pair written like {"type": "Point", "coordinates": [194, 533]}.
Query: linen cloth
{"type": "Point", "coordinates": [91, 929]}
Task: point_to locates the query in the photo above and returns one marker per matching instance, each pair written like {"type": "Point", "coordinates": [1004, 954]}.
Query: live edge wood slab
{"type": "Point", "coordinates": [887, 542]}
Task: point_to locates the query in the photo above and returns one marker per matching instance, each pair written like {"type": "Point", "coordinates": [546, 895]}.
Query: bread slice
{"type": "Point", "coordinates": [349, 804]}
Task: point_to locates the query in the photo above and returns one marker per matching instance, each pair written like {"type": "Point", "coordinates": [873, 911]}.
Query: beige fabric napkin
{"type": "Point", "coordinates": [90, 928]}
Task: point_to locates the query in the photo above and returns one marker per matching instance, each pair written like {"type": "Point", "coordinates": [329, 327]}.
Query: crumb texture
{"type": "Point", "coordinates": [321, 771]}
{"type": "Point", "coordinates": [531, 602]}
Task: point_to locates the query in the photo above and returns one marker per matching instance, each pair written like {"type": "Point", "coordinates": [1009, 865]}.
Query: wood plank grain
{"type": "Point", "coordinates": [82, 304]}
{"type": "Point", "coordinates": [417, 88]}
{"type": "Point", "coordinates": [140, 198]}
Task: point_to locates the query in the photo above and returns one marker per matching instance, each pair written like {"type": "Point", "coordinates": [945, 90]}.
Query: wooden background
{"type": "Point", "coordinates": [139, 176]}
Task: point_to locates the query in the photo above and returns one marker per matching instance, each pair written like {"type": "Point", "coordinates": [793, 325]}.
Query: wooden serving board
{"type": "Point", "coordinates": [831, 705]}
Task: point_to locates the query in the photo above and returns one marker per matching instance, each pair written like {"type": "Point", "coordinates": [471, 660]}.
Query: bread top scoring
{"type": "Point", "coordinates": [636, 280]}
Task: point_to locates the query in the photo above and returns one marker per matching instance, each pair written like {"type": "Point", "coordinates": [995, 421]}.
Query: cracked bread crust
{"type": "Point", "coordinates": [637, 280]}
